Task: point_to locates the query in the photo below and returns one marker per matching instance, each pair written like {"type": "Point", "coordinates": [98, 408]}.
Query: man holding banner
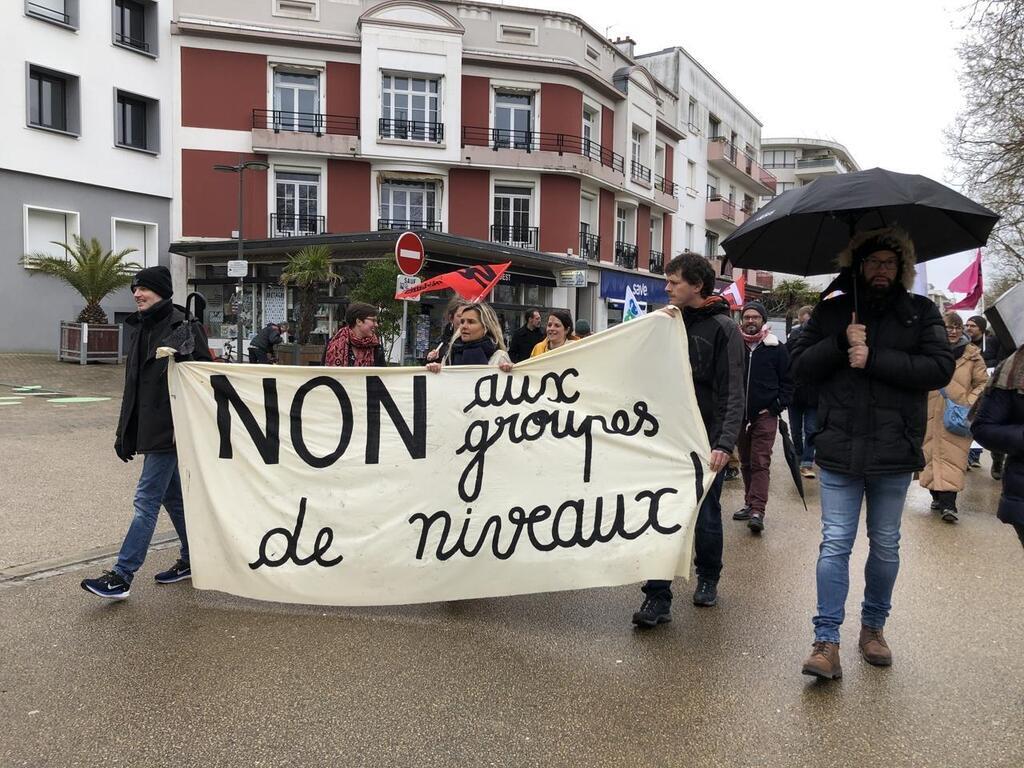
{"type": "Point", "coordinates": [716, 362]}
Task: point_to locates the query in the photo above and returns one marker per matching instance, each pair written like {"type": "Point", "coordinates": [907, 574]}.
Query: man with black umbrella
{"type": "Point", "coordinates": [874, 353]}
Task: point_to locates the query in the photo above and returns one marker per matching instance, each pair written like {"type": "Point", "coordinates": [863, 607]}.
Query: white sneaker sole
{"type": "Point", "coordinates": [173, 581]}
{"type": "Point", "coordinates": [105, 596]}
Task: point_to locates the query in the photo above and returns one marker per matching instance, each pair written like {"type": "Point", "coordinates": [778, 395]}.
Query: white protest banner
{"type": "Point", "coordinates": [582, 468]}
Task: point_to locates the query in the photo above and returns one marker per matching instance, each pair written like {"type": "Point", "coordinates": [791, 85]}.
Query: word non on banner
{"type": "Point", "coordinates": [348, 486]}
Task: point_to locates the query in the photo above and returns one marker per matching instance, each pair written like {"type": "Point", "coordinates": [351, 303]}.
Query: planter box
{"type": "Point", "coordinates": [299, 354]}
{"type": "Point", "coordinates": [84, 343]}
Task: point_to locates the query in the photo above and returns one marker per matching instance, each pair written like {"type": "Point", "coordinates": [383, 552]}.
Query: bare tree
{"type": "Point", "coordinates": [986, 142]}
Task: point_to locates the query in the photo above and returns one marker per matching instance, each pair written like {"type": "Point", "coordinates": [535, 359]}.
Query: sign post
{"type": "Point", "coordinates": [410, 256]}
{"type": "Point", "coordinates": [239, 268]}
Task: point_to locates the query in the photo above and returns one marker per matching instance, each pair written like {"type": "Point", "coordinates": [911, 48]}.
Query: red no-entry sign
{"type": "Point", "coordinates": [409, 253]}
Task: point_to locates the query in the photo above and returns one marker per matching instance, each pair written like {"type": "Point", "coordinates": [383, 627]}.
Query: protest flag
{"type": "Point", "coordinates": [631, 307]}
{"type": "Point", "coordinates": [736, 293]}
{"type": "Point", "coordinates": [969, 282]}
{"type": "Point", "coordinates": [472, 283]}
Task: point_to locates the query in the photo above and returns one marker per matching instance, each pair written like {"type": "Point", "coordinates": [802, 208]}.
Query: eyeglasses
{"type": "Point", "coordinates": [888, 264]}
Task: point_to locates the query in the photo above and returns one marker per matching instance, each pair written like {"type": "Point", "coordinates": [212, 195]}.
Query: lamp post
{"type": "Point", "coordinates": [252, 165]}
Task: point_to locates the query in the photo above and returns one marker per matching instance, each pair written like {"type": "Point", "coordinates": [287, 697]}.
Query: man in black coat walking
{"type": "Point", "coordinates": [527, 337]}
{"type": "Point", "coordinates": [716, 364]}
{"type": "Point", "coordinates": [261, 348]}
{"type": "Point", "coordinates": [874, 353]}
{"type": "Point", "coordinates": [145, 427]}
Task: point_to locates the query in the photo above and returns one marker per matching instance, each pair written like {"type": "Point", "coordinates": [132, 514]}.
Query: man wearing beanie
{"type": "Point", "coordinates": [976, 329]}
{"type": "Point", "coordinates": [145, 427]}
{"type": "Point", "coordinates": [769, 390]}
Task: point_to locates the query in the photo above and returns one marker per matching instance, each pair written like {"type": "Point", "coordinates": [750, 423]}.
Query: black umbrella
{"type": "Point", "coordinates": [789, 451]}
{"type": "Point", "coordinates": [803, 230]}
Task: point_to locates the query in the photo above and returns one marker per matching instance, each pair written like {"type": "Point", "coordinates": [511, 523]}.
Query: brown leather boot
{"type": "Point", "coordinates": [824, 661]}
{"type": "Point", "coordinates": [873, 647]}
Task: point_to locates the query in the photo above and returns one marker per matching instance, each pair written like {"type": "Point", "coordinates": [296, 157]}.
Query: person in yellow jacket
{"type": "Point", "coordinates": [559, 332]}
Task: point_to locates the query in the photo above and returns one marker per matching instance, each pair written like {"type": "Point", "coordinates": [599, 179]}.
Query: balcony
{"type": "Point", "coordinates": [519, 237]}
{"type": "Point", "coordinates": [721, 212]}
{"type": "Point", "coordinates": [296, 225]}
{"type": "Point", "coordinates": [50, 14]}
{"type": "Point", "coordinates": [724, 157]}
{"type": "Point", "coordinates": [639, 172]}
{"type": "Point", "coordinates": [410, 130]}
{"type": "Point", "coordinates": [813, 167]}
{"type": "Point", "coordinates": [625, 254]}
{"type": "Point", "coordinates": [590, 246]}
{"type": "Point", "coordinates": [498, 139]}
{"type": "Point", "coordinates": [657, 266]}
{"type": "Point", "coordinates": [663, 185]}
{"type": "Point", "coordinates": [385, 224]}
{"type": "Point", "coordinates": [283, 131]}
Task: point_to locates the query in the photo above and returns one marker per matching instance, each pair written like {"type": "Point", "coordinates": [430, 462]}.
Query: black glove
{"type": "Point", "coordinates": [122, 454]}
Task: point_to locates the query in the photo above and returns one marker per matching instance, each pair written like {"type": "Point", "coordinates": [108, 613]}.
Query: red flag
{"type": "Point", "coordinates": [736, 292]}
{"type": "Point", "coordinates": [969, 281]}
{"type": "Point", "coordinates": [472, 283]}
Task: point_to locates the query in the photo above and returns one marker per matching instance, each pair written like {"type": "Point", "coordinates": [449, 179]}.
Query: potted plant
{"type": "Point", "coordinates": [95, 274]}
{"type": "Point", "coordinates": [309, 271]}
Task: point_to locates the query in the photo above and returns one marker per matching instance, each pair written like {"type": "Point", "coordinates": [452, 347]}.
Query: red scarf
{"type": "Point", "coordinates": [343, 341]}
{"type": "Point", "coordinates": [756, 338]}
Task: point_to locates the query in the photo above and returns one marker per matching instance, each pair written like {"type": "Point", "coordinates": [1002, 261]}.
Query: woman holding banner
{"type": "Point", "coordinates": [479, 340]}
{"type": "Point", "coordinates": [559, 332]}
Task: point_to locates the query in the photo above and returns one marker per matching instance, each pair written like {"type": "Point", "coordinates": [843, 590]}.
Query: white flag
{"type": "Point", "coordinates": [631, 308]}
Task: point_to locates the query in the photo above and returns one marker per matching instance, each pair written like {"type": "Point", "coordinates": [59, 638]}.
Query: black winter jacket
{"type": "Point", "coordinates": [999, 426]}
{"type": "Point", "coordinates": [523, 341]}
{"type": "Point", "coordinates": [268, 338]}
{"type": "Point", "coordinates": [145, 424]}
{"type": "Point", "coordinates": [767, 378]}
{"type": "Point", "coordinates": [716, 362]}
{"type": "Point", "coordinates": [804, 395]}
{"type": "Point", "coordinates": [872, 421]}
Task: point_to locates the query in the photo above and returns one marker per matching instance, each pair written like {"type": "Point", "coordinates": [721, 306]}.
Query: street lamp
{"type": "Point", "coordinates": [240, 169]}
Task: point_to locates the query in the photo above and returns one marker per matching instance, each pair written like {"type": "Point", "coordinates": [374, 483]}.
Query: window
{"type": "Point", "coordinates": [410, 108]}
{"type": "Point", "coordinates": [46, 226]}
{"type": "Point", "coordinates": [620, 225]}
{"type": "Point", "coordinates": [296, 102]}
{"type": "Point", "coordinates": [711, 245]}
{"type": "Point", "coordinates": [691, 117]}
{"type": "Point", "coordinates": [513, 120]}
{"type": "Point", "coordinates": [61, 12]}
{"type": "Point", "coordinates": [689, 237]}
{"type": "Point", "coordinates": [636, 146]}
{"type": "Point", "coordinates": [52, 100]}
{"type": "Point", "coordinates": [778, 158]}
{"type": "Point", "coordinates": [591, 134]}
{"type": "Point", "coordinates": [140, 235]}
{"type": "Point", "coordinates": [297, 9]}
{"type": "Point", "coordinates": [137, 122]}
{"type": "Point", "coordinates": [406, 204]}
{"type": "Point", "coordinates": [712, 187]}
{"type": "Point", "coordinates": [511, 33]}
{"type": "Point", "coordinates": [297, 204]}
{"type": "Point", "coordinates": [512, 217]}
{"type": "Point", "coordinates": [593, 55]}
{"type": "Point", "coordinates": [714, 126]}
{"type": "Point", "coordinates": [691, 175]}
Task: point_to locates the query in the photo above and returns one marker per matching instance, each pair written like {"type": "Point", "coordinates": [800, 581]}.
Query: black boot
{"type": "Point", "coordinates": [656, 609]}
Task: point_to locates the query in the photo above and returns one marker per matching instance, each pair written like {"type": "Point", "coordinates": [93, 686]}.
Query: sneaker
{"type": "Point", "coordinates": [949, 515]}
{"type": "Point", "coordinates": [936, 506]}
{"type": "Point", "coordinates": [807, 473]}
{"type": "Point", "coordinates": [873, 647]}
{"type": "Point", "coordinates": [824, 661]}
{"type": "Point", "coordinates": [756, 522]}
{"type": "Point", "coordinates": [741, 514]}
{"type": "Point", "coordinates": [731, 473]}
{"type": "Point", "coordinates": [180, 571]}
{"type": "Point", "coordinates": [974, 464]}
{"type": "Point", "coordinates": [109, 585]}
{"type": "Point", "coordinates": [706, 594]}
{"type": "Point", "coordinates": [654, 611]}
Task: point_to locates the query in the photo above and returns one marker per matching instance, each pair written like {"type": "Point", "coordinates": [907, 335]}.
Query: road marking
{"type": "Point", "coordinates": [78, 399]}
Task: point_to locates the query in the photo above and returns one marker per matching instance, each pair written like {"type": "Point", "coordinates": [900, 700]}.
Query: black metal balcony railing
{"type": "Point", "coordinates": [590, 246]}
{"type": "Point", "coordinates": [542, 141]}
{"type": "Point", "coordinates": [657, 266]}
{"type": "Point", "coordinates": [410, 130]}
{"type": "Point", "coordinates": [278, 120]}
{"type": "Point", "coordinates": [521, 237]}
{"type": "Point", "coordinates": [383, 224]}
{"type": "Point", "coordinates": [296, 225]}
{"type": "Point", "coordinates": [132, 42]}
{"type": "Point", "coordinates": [48, 13]}
{"type": "Point", "coordinates": [664, 185]}
{"type": "Point", "coordinates": [640, 172]}
{"type": "Point", "coordinates": [693, 129]}
{"type": "Point", "coordinates": [625, 254]}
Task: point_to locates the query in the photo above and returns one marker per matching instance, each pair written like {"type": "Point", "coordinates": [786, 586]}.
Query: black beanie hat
{"type": "Point", "coordinates": [157, 279]}
{"type": "Point", "coordinates": [979, 321]}
{"type": "Point", "coordinates": [758, 307]}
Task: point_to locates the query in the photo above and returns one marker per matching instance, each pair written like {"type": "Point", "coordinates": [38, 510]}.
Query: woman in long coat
{"type": "Point", "coordinates": [945, 453]}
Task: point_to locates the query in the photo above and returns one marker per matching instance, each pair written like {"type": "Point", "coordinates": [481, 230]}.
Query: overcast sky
{"type": "Point", "coordinates": [878, 76]}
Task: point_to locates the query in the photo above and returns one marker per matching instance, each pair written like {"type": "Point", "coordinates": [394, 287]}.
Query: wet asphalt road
{"type": "Point", "coordinates": [178, 677]}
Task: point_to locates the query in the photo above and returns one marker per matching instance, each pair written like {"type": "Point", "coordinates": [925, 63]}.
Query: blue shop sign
{"type": "Point", "coordinates": [646, 289]}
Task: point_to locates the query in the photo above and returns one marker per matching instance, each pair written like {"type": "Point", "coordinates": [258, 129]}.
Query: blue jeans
{"type": "Point", "coordinates": [841, 498]}
{"type": "Point", "coordinates": [803, 423]}
{"type": "Point", "coordinates": [158, 484]}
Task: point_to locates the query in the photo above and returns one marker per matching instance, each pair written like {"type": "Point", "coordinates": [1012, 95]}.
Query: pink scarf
{"type": "Point", "coordinates": [340, 343]}
{"type": "Point", "coordinates": [758, 337]}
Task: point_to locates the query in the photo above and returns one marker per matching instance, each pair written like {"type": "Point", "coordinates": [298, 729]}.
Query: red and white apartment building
{"type": "Point", "coordinates": [498, 133]}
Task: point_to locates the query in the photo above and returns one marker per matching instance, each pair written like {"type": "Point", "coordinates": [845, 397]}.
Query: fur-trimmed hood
{"type": "Point", "coordinates": [894, 239]}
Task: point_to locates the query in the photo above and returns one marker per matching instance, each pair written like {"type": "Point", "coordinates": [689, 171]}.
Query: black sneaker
{"type": "Point", "coordinates": [936, 506]}
{"type": "Point", "coordinates": [706, 593]}
{"type": "Point", "coordinates": [741, 514]}
{"type": "Point", "coordinates": [997, 470]}
{"type": "Point", "coordinates": [180, 571]}
{"type": "Point", "coordinates": [654, 611]}
{"type": "Point", "coordinates": [949, 516]}
{"type": "Point", "coordinates": [731, 473]}
{"type": "Point", "coordinates": [756, 522]}
{"type": "Point", "coordinates": [109, 585]}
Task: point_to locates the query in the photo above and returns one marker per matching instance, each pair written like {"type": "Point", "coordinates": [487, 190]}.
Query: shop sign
{"type": "Point", "coordinates": [646, 289]}
{"type": "Point", "coordinates": [572, 278]}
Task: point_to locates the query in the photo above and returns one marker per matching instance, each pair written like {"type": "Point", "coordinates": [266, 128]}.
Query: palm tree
{"type": "Point", "coordinates": [90, 271]}
{"type": "Point", "coordinates": [309, 269]}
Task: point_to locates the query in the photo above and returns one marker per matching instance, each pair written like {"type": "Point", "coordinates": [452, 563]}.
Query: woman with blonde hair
{"type": "Point", "coordinates": [945, 453]}
{"type": "Point", "coordinates": [478, 340]}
